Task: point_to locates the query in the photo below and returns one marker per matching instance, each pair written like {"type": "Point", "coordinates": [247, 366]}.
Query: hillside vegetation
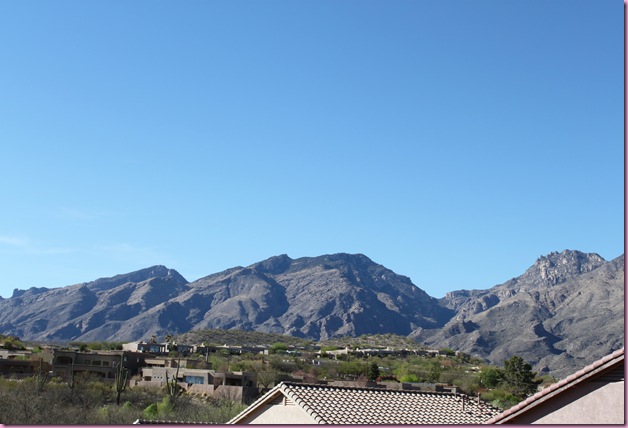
{"type": "Point", "coordinates": [219, 337]}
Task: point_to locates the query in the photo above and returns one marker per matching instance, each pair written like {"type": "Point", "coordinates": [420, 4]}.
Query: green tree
{"type": "Point", "coordinates": [448, 351]}
{"type": "Point", "coordinates": [266, 378]}
{"type": "Point", "coordinates": [434, 369]}
{"type": "Point", "coordinates": [491, 377]}
{"type": "Point", "coordinates": [373, 372]}
{"type": "Point", "coordinates": [519, 377]}
{"type": "Point", "coordinates": [353, 368]}
{"type": "Point", "coordinates": [13, 342]}
{"type": "Point", "coordinates": [278, 347]}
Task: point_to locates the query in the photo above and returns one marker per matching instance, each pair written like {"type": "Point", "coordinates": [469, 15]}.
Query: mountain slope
{"type": "Point", "coordinates": [562, 313]}
{"type": "Point", "coordinates": [96, 310]}
{"type": "Point", "coordinates": [315, 298]}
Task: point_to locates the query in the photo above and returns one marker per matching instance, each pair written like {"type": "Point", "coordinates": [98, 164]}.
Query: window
{"type": "Point", "coordinates": [64, 361]}
{"type": "Point", "coordinates": [194, 379]}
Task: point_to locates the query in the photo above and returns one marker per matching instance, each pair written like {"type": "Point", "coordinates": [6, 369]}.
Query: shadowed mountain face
{"type": "Point", "coordinates": [104, 309]}
{"type": "Point", "coordinates": [316, 298]}
{"type": "Point", "coordinates": [562, 313]}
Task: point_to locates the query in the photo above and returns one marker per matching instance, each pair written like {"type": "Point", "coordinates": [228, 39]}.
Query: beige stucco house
{"type": "Point", "coordinates": [593, 395]}
{"type": "Point", "coordinates": [193, 378]}
{"type": "Point", "coordinates": [295, 404]}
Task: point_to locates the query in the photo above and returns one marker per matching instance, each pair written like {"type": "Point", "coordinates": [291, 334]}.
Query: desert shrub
{"type": "Point", "coordinates": [151, 411]}
{"type": "Point", "coordinates": [410, 377]}
{"type": "Point", "coordinates": [500, 398]}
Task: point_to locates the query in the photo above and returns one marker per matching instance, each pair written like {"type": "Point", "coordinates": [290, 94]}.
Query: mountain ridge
{"type": "Point", "coordinates": [542, 303]}
{"type": "Point", "coordinates": [541, 314]}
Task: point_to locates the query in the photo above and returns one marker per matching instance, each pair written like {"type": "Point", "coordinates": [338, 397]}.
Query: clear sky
{"type": "Point", "coordinates": [454, 142]}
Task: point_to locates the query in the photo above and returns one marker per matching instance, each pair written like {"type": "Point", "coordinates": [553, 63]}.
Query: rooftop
{"type": "Point", "coordinates": [558, 387]}
{"type": "Point", "coordinates": [345, 405]}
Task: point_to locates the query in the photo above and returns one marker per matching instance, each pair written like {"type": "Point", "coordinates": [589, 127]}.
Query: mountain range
{"type": "Point", "coordinates": [564, 312]}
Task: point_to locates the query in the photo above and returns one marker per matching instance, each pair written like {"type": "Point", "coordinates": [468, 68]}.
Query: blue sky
{"type": "Point", "coordinates": [454, 142]}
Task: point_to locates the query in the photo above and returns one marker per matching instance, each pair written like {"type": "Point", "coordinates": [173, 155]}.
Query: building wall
{"type": "Point", "coordinates": [592, 403]}
{"type": "Point", "coordinates": [102, 364]}
{"type": "Point", "coordinates": [20, 369]}
{"type": "Point", "coordinates": [278, 414]}
{"type": "Point", "coordinates": [235, 386]}
{"type": "Point", "coordinates": [200, 389]}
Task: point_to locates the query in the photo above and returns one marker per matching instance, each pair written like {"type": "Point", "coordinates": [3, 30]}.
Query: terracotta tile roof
{"type": "Point", "coordinates": [560, 386]}
{"type": "Point", "coordinates": [345, 405]}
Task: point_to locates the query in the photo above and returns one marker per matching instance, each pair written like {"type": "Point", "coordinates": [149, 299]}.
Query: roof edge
{"type": "Point", "coordinates": [558, 387]}
{"type": "Point", "coordinates": [244, 413]}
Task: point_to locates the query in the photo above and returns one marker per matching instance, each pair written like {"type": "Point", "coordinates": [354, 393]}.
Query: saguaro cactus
{"type": "Point", "coordinates": [172, 387]}
{"type": "Point", "coordinates": [71, 382]}
{"type": "Point", "coordinates": [41, 377]}
{"type": "Point", "coordinates": [122, 375]}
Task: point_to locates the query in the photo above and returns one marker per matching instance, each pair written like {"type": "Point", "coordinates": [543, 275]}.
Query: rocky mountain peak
{"type": "Point", "coordinates": [556, 267]}
{"type": "Point", "coordinates": [32, 290]}
{"type": "Point", "coordinates": [274, 265]}
{"type": "Point", "coordinates": [158, 271]}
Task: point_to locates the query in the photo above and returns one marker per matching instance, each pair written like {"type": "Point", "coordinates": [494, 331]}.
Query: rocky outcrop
{"type": "Point", "coordinates": [565, 311]}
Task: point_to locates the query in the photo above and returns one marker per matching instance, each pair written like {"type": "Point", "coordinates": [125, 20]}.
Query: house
{"type": "Point", "coordinates": [177, 362]}
{"type": "Point", "coordinates": [229, 349]}
{"type": "Point", "coordinates": [20, 369]}
{"type": "Point", "coordinates": [593, 395]}
{"type": "Point", "coordinates": [150, 347]}
{"type": "Point", "coordinates": [6, 354]}
{"type": "Point", "coordinates": [293, 403]}
{"type": "Point", "coordinates": [238, 386]}
{"type": "Point", "coordinates": [101, 364]}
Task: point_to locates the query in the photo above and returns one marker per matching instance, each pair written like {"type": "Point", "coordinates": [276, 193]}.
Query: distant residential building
{"type": "Point", "coordinates": [230, 349]}
{"type": "Point", "coordinates": [146, 347]}
{"type": "Point", "coordinates": [19, 369]}
{"type": "Point", "coordinates": [382, 352]}
{"type": "Point", "coordinates": [239, 386]}
{"type": "Point", "coordinates": [100, 364]}
{"type": "Point", "coordinates": [176, 362]}
{"type": "Point", "coordinates": [12, 353]}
